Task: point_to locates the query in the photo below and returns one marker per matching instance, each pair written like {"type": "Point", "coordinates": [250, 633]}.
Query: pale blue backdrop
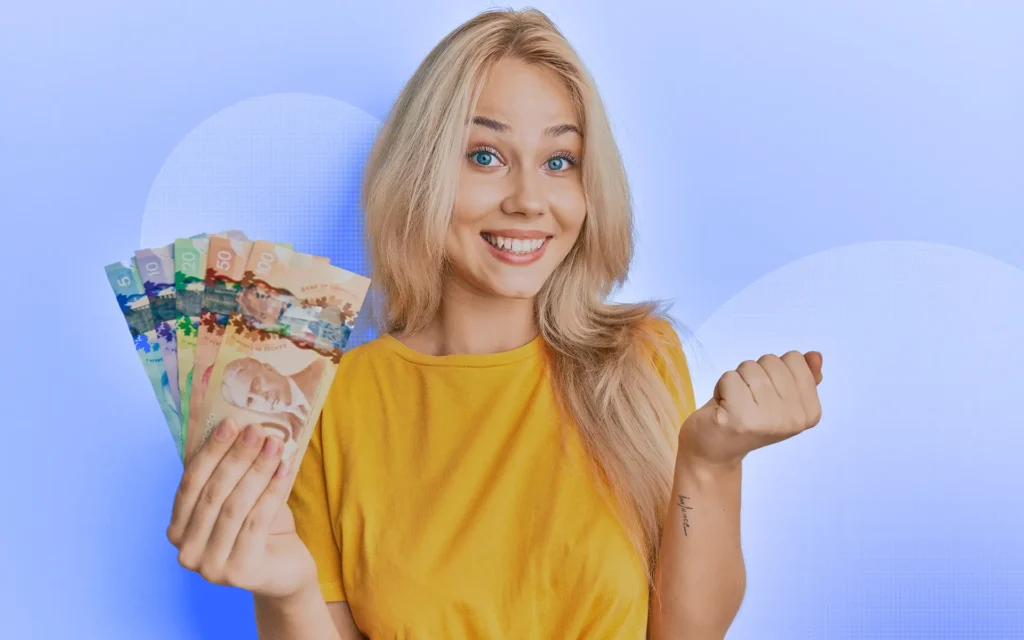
{"type": "Point", "coordinates": [845, 176]}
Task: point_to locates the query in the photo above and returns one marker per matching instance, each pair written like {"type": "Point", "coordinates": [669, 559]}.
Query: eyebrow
{"type": "Point", "coordinates": [501, 127]}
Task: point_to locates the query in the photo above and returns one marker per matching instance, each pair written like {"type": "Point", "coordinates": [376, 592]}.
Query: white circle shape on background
{"type": "Point", "coordinates": [282, 167]}
{"type": "Point", "coordinates": [903, 500]}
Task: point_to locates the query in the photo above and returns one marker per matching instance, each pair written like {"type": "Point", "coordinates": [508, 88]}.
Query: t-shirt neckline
{"type": "Point", "coordinates": [531, 348]}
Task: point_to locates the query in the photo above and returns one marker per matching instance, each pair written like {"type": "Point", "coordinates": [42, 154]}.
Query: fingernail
{"type": "Point", "coordinates": [270, 447]}
{"type": "Point", "coordinates": [250, 436]}
{"type": "Point", "coordinates": [224, 430]}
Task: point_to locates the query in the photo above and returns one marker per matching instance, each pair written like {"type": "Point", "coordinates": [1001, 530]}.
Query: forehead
{"type": "Point", "coordinates": [527, 95]}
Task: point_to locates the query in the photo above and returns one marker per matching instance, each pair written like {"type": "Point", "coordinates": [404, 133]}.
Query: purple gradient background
{"type": "Point", "coordinates": [843, 176]}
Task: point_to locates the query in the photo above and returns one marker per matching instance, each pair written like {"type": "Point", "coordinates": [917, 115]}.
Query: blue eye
{"type": "Point", "coordinates": [487, 157]}
{"type": "Point", "coordinates": [561, 162]}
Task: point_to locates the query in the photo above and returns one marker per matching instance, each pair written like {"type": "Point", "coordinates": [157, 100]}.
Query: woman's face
{"type": "Point", "coordinates": [519, 206]}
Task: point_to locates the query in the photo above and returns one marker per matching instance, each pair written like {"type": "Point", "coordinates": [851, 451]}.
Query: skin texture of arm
{"type": "Point", "coordinates": [700, 555]}
{"type": "Point", "coordinates": [700, 577]}
{"type": "Point", "coordinates": [306, 615]}
{"type": "Point", "coordinates": [342, 617]}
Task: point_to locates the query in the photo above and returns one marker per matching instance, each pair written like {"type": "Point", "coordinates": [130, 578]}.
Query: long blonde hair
{"type": "Point", "coordinates": [601, 354]}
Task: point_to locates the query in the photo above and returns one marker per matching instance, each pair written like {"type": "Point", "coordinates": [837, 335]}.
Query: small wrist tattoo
{"type": "Point", "coordinates": [684, 509]}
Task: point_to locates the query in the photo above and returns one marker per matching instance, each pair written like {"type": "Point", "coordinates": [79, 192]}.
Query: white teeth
{"type": "Point", "coordinates": [516, 245]}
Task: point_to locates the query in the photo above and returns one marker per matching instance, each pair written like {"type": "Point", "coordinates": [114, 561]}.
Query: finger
{"type": "Point", "coordinates": [220, 485]}
{"type": "Point", "coordinates": [780, 376]}
{"type": "Point", "coordinates": [240, 502]}
{"type": "Point", "coordinates": [197, 472]}
{"type": "Point", "coordinates": [806, 384]}
{"type": "Point", "coordinates": [732, 394]}
{"type": "Point", "coordinates": [256, 526]}
{"type": "Point", "coordinates": [814, 361]}
{"type": "Point", "coordinates": [756, 378]}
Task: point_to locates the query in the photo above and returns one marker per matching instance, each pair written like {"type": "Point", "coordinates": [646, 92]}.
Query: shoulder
{"type": "Point", "coordinates": [359, 366]}
{"type": "Point", "coordinates": [663, 329]}
{"type": "Point", "coordinates": [362, 355]}
{"type": "Point", "coordinates": [659, 337]}
{"type": "Point", "coordinates": [358, 373]}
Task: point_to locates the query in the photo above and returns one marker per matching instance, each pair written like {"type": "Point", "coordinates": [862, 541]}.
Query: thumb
{"type": "Point", "coordinates": [711, 413]}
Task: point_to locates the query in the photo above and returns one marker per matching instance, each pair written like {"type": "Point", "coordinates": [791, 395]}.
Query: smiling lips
{"type": "Point", "coordinates": [516, 247]}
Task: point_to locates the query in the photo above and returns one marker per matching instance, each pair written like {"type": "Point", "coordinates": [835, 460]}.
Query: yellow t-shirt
{"type": "Point", "coordinates": [439, 501]}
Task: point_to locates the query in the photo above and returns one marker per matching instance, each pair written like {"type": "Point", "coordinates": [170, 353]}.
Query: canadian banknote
{"type": "Point", "coordinates": [282, 345]}
{"type": "Point", "coordinates": [189, 284]}
{"type": "Point", "coordinates": [135, 306]}
{"type": "Point", "coordinates": [225, 267]}
{"type": "Point", "coordinates": [156, 266]}
{"type": "Point", "coordinates": [226, 258]}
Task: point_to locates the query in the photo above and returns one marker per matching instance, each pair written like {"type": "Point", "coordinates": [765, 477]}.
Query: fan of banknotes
{"type": "Point", "coordinates": [229, 327]}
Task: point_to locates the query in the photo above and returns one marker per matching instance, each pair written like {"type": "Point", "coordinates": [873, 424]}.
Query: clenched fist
{"type": "Point", "coordinates": [757, 404]}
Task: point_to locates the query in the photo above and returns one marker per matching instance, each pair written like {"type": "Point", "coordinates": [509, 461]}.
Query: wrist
{"type": "Point", "coordinates": [704, 454]}
{"type": "Point", "coordinates": [703, 468]}
{"type": "Point", "coordinates": [308, 592]}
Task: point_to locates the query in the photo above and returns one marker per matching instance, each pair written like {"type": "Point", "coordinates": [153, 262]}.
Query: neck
{"type": "Point", "coordinates": [470, 322]}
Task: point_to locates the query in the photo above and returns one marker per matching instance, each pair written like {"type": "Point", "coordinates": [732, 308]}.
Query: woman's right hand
{"type": "Point", "coordinates": [231, 522]}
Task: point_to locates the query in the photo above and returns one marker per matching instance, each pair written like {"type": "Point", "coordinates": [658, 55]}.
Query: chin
{"type": "Point", "coordinates": [522, 283]}
{"type": "Point", "coordinates": [518, 291]}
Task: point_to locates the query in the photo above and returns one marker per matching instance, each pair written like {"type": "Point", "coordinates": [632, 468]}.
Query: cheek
{"type": "Point", "coordinates": [473, 205]}
{"type": "Point", "coordinates": [455, 243]}
{"type": "Point", "coordinates": [570, 209]}
{"type": "Point", "coordinates": [475, 199]}
{"type": "Point", "coordinates": [458, 249]}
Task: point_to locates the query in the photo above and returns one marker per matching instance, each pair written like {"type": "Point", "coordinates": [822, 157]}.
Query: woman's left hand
{"type": "Point", "coordinates": [757, 404]}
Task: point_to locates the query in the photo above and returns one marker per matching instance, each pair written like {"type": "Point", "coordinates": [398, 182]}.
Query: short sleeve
{"type": "Point", "coordinates": [313, 518]}
{"type": "Point", "coordinates": [670, 361]}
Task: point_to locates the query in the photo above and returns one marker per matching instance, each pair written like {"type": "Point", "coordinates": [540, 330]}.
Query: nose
{"type": "Point", "coordinates": [526, 193]}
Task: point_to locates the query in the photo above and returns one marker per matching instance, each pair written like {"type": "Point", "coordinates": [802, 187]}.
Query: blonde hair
{"type": "Point", "coordinates": [603, 356]}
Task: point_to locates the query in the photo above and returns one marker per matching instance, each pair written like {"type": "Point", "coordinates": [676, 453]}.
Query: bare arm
{"type": "Point", "coordinates": [342, 617]}
{"type": "Point", "coordinates": [700, 577]}
{"type": "Point", "coordinates": [305, 616]}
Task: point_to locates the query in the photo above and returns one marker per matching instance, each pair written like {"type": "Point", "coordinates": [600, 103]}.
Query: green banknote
{"type": "Point", "coordinates": [190, 258]}
{"type": "Point", "coordinates": [189, 263]}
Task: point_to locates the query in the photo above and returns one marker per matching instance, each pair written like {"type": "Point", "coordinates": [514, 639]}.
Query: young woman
{"type": "Point", "coordinates": [514, 457]}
